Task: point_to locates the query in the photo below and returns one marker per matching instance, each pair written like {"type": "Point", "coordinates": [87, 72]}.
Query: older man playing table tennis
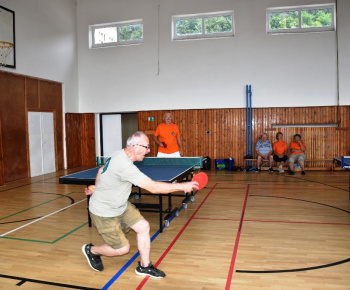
{"type": "Point", "coordinates": [113, 214]}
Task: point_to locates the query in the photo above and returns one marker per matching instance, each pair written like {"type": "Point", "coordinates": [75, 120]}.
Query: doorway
{"type": "Point", "coordinates": [41, 143]}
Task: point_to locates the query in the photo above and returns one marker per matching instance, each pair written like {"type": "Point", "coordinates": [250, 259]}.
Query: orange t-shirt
{"type": "Point", "coordinates": [168, 134]}
{"type": "Point", "coordinates": [280, 147]}
{"type": "Point", "coordinates": [296, 145]}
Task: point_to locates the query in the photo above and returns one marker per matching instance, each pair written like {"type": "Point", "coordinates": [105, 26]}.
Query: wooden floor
{"type": "Point", "coordinates": [245, 230]}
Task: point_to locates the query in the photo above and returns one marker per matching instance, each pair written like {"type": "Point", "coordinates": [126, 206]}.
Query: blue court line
{"type": "Point", "coordinates": [133, 258]}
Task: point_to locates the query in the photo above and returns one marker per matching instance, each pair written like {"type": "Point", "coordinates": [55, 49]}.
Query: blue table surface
{"type": "Point", "coordinates": [165, 173]}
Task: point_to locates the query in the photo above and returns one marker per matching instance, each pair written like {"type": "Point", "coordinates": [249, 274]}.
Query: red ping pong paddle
{"type": "Point", "coordinates": [164, 144]}
{"type": "Point", "coordinates": [202, 179]}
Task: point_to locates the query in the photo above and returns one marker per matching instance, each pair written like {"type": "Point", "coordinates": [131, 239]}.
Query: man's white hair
{"type": "Point", "coordinates": [134, 139]}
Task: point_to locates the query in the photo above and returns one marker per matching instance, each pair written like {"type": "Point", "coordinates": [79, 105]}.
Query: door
{"type": "Point", "coordinates": [41, 143]}
{"type": "Point", "coordinates": [111, 133]}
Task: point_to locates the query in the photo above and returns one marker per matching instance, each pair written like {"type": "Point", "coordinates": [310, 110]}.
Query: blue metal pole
{"type": "Point", "coordinates": [247, 119]}
{"type": "Point", "coordinates": [250, 122]}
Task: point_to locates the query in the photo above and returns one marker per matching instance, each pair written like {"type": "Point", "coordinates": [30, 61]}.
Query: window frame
{"type": "Point", "coordinates": [300, 9]}
{"type": "Point", "coordinates": [203, 35]}
{"type": "Point", "coordinates": [93, 27]}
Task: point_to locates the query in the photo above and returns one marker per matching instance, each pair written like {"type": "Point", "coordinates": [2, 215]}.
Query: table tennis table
{"type": "Point", "coordinates": [158, 169]}
{"type": "Point", "coordinates": [344, 162]}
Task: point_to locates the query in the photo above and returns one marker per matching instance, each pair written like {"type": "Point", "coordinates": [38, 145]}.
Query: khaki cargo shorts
{"type": "Point", "coordinates": [297, 157]}
{"type": "Point", "coordinates": [113, 229]}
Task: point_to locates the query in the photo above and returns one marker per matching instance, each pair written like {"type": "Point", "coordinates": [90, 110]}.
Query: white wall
{"type": "Point", "coordinates": [46, 43]}
{"type": "Point", "coordinates": [344, 51]}
{"type": "Point", "coordinates": [284, 70]}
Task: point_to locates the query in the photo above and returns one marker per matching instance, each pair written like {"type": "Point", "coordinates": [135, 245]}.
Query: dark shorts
{"type": "Point", "coordinates": [113, 229]}
{"type": "Point", "coordinates": [278, 159]}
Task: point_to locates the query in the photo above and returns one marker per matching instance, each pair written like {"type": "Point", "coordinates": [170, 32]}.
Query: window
{"type": "Point", "coordinates": [198, 26]}
{"type": "Point", "coordinates": [114, 34]}
{"type": "Point", "coordinates": [314, 18]}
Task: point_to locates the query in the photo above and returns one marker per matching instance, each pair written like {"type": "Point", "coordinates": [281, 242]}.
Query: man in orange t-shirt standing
{"type": "Point", "coordinates": [297, 154]}
{"type": "Point", "coordinates": [167, 137]}
{"type": "Point", "coordinates": [280, 149]}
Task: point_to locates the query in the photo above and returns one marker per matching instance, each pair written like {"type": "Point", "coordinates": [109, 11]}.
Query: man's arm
{"type": "Point", "coordinates": [90, 189]}
{"type": "Point", "coordinates": [301, 150]}
{"type": "Point", "coordinates": [164, 187]}
{"type": "Point", "coordinates": [271, 150]}
{"type": "Point", "coordinates": [155, 138]}
{"type": "Point", "coordinates": [257, 147]}
{"type": "Point", "coordinates": [178, 139]}
{"type": "Point", "coordinates": [302, 147]}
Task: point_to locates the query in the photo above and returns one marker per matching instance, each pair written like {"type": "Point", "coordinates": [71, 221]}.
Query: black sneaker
{"type": "Point", "coordinates": [95, 261]}
{"type": "Point", "coordinates": [257, 170]}
{"type": "Point", "coordinates": [150, 270]}
{"type": "Point", "coordinates": [303, 172]}
{"type": "Point", "coordinates": [291, 172]}
{"type": "Point", "coordinates": [270, 170]}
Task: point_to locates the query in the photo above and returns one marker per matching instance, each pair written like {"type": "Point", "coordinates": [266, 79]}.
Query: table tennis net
{"type": "Point", "coordinates": [196, 162]}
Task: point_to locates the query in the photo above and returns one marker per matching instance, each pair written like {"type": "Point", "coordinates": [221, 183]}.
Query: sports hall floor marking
{"type": "Point", "coordinates": [143, 282]}
{"type": "Point", "coordinates": [296, 222]}
{"type": "Point", "coordinates": [133, 258]}
{"type": "Point", "coordinates": [235, 249]}
{"type": "Point", "coordinates": [3, 236]}
{"type": "Point", "coordinates": [23, 280]}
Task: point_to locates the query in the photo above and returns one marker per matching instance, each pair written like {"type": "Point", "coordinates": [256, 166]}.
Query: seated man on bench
{"type": "Point", "coordinates": [297, 154]}
{"type": "Point", "coordinates": [280, 149]}
{"type": "Point", "coordinates": [264, 152]}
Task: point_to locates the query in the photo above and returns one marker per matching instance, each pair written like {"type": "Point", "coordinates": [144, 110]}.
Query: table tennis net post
{"type": "Point", "coordinates": [101, 160]}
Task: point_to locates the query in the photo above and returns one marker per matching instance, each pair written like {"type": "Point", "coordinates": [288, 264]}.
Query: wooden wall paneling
{"type": "Point", "coordinates": [87, 139]}
{"type": "Point", "coordinates": [227, 128]}
{"type": "Point", "coordinates": [1, 160]}
{"type": "Point", "coordinates": [73, 140]}
{"type": "Point", "coordinates": [50, 98]}
{"type": "Point", "coordinates": [13, 122]}
{"type": "Point", "coordinates": [32, 93]}
{"type": "Point", "coordinates": [80, 136]}
{"type": "Point", "coordinates": [344, 143]}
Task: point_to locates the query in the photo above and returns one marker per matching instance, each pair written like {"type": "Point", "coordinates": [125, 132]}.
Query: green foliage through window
{"type": "Point", "coordinates": [204, 25]}
{"type": "Point", "coordinates": [316, 18]}
{"type": "Point", "coordinates": [284, 20]}
{"type": "Point", "coordinates": [114, 34]}
{"type": "Point", "coordinates": [300, 18]}
{"type": "Point", "coordinates": [189, 26]}
{"type": "Point", "coordinates": [131, 32]}
{"type": "Point", "coordinates": [218, 24]}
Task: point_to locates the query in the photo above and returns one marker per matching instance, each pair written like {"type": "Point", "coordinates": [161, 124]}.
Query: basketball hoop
{"type": "Point", "coordinates": [5, 50]}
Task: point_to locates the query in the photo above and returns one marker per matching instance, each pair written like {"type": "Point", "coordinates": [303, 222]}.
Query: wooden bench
{"type": "Point", "coordinates": [265, 164]}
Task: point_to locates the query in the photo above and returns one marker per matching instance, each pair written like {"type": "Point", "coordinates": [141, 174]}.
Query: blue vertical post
{"type": "Point", "coordinates": [249, 122]}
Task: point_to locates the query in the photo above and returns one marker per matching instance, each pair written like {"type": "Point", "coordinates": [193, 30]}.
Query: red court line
{"type": "Point", "coordinates": [265, 221]}
{"type": "Point", "coordinates": [234, 255]}
{"type": "Point", "coordinates": [294, 222]}
{"type": "Point", "coordinates": [143, 282]}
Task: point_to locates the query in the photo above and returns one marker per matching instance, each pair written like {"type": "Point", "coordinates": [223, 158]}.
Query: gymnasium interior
{"type": "Point", "coordinates": [68, 99]}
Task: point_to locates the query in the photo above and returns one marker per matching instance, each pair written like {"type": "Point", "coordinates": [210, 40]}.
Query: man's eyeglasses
{"type": "Point", "coordinates": [147, 147]}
